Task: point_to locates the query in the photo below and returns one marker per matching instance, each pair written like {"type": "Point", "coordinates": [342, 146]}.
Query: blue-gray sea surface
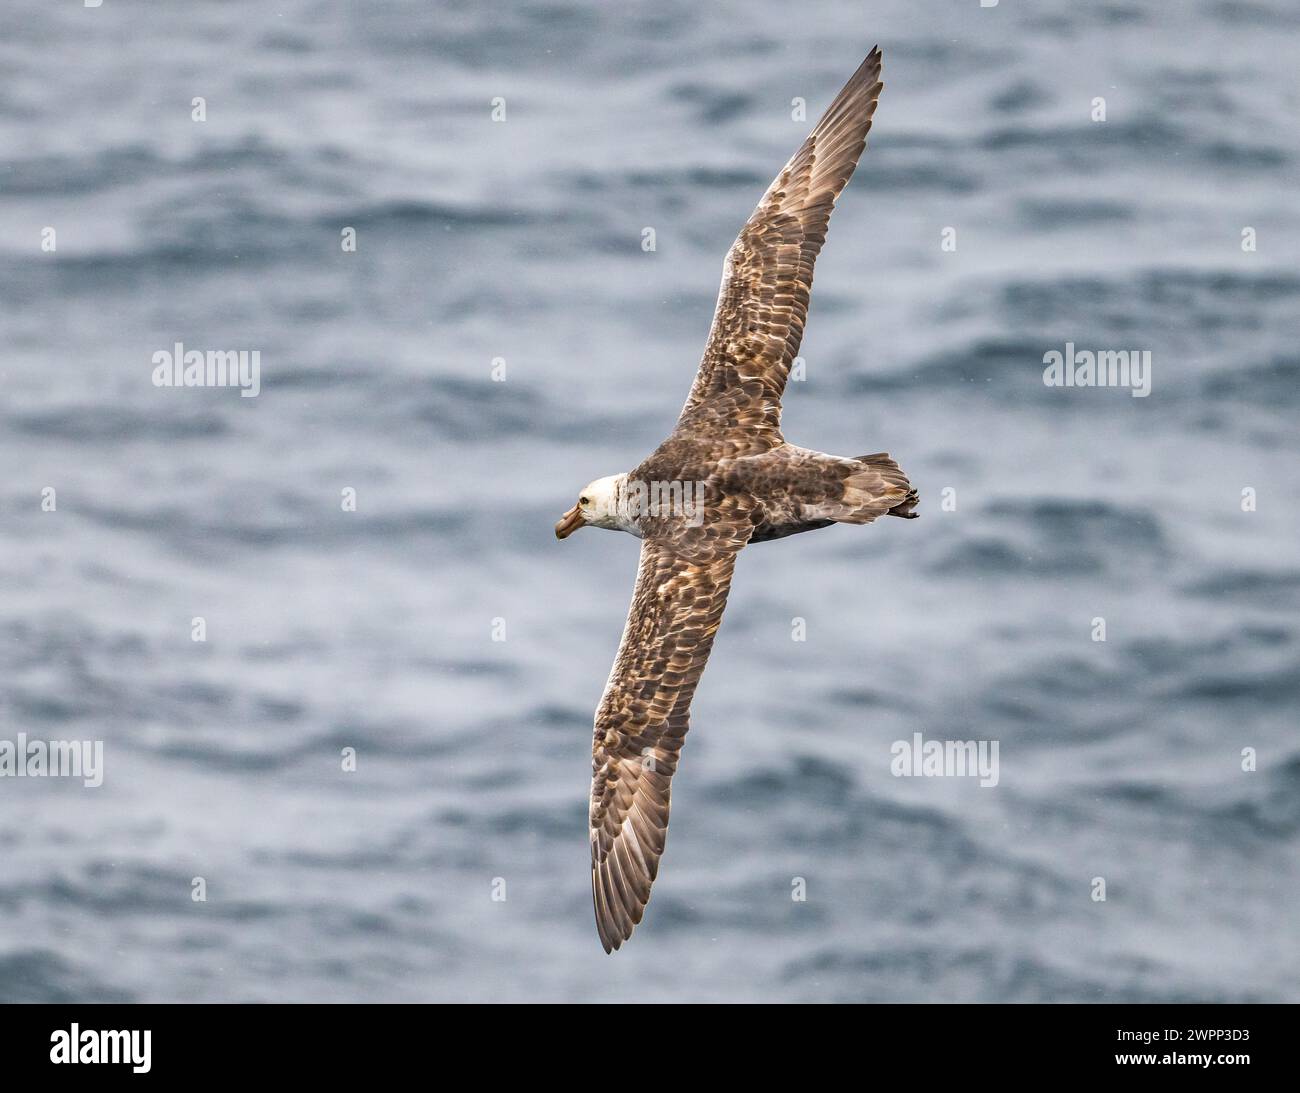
{"type": "Point", "coordinates": [521, 240]}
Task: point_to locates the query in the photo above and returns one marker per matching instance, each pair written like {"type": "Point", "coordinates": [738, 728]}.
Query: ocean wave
{"type": "Point", "coordinates": [100, 424]}
{"type": "Point", "coordinates": [1254, 809]}
{"type": "Point", "coordinates": [40, 976]}
{"type": "Point", "coordinates": [963, 973]}
{"type": "Point", "coordinates": [1040, 536]}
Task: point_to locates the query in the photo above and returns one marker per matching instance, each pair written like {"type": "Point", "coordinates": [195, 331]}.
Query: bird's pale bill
{"type": "Point", "coordinates": [570, 522]}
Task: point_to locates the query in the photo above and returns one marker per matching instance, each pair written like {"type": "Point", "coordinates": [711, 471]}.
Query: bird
{"type": "Point", "coordinates": [724, 478]}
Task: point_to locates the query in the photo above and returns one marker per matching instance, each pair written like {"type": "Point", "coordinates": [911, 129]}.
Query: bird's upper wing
{"type": "Point", "coordinates": [681, 589]}
{"type": "Point", "coordinates": [767, 274]}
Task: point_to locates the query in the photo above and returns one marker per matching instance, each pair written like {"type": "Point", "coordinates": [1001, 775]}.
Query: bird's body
{"type": "Point", "coordinates": [724, 478]}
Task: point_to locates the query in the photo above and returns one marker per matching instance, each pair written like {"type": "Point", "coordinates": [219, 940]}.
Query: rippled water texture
{"type": "Point", "coordinates": [521, 240]}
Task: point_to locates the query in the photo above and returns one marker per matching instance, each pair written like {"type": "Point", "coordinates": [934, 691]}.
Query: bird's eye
{"type": "Point", "coordinates": [584, 500]}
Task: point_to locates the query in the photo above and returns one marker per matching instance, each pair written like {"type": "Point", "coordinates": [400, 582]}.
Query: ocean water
{"type": "Point", "coordinates": [520, 241]}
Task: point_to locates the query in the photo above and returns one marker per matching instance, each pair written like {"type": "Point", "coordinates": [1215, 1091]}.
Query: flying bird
{"type": "Point", "coordinates": [726, 477]}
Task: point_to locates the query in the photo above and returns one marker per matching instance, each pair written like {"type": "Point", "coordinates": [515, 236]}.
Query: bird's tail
{"type": "Point", "coordinates": [879, 488]}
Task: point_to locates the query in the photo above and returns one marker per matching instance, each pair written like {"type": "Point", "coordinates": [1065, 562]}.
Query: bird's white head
{"type": "Point", "coordinates": [601, 504]}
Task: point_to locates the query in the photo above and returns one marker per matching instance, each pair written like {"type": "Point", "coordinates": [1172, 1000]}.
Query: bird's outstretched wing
{"type": "Point", "coordinates": [768, 273]}
{"type": "Point", "coordinates": [681, 589]}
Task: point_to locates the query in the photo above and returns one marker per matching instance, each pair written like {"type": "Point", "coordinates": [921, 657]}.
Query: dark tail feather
{"type": "Point", "coordinates": [893, 474]}
{"type": "Point", "coordinates": [905, 509]}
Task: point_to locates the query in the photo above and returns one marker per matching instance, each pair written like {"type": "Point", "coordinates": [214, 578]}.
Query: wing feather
{"type": "Point", "coordinates": [767, 275]}
{"type": "Point", "coordinates": [681, 590]}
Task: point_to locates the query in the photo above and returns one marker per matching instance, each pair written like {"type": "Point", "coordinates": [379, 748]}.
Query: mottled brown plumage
{"type": "Point", "coordinates": [767, 275]}
{"type": "Point", "coordinates": [752, 486]}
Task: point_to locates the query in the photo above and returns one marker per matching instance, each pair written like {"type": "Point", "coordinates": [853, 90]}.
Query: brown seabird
{"type": "Point", "coordinates": [724, 478]}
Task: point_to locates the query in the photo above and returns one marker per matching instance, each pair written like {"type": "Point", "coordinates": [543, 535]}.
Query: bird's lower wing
{"type": "Point", "coordinates": [681, 590]}
{"type": "Point", "coordinates": [768, 273]}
